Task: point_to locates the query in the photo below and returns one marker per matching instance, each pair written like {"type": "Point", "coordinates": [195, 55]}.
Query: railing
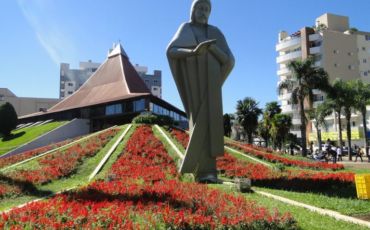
{"type": "Point", "coordinates": [288, 44]}
{"type": "Point", "coordinates": [289, 57]}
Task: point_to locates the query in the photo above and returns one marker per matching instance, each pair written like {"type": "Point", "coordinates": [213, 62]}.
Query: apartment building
{"type": "Point", "coordinates": [72, 79]}
{"type": "Point", "coordinates": [343, 52]}
{"type": "Point", "coordinates": [152, 81]}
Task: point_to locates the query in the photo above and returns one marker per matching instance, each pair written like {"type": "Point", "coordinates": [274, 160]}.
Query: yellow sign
{"type": "Point", "coordinates": [334, 136]}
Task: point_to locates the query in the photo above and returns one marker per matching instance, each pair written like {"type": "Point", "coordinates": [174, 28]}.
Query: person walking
{"type": "Point", "coordinates": [339, 154]}
{"type": "Point", "coordinates": [359, 154]}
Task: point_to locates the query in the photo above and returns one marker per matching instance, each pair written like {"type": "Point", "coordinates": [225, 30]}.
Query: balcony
{"type": "Point", "coordinates": [285, 96]}
{"type": "Point", "coordinates": [289, 108]}
{"type": "Point", "coordinates": [283, 71]}
{"type": "Point", "coordinates": [289, 57]}
{"type": "Point", "coordinates": [289, 44]}
{"type": "Point", "coordinates": [296, 121]}
{"type": "Point", "coordinates": [314, 37]}
{"type": "Point", "coordinates": [315, 50]}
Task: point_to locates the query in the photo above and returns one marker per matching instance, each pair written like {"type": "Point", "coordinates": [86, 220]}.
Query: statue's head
{"type": "Point", "coordinates": [200, 11]}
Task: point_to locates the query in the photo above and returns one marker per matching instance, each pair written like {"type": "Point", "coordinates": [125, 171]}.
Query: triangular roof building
{"type": "Point", "coordinates": [115, 82]}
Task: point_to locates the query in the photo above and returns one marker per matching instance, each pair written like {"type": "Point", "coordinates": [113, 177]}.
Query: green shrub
{"type": "Point", "coordinates": [8, 119]}
{"type": "Point", "coordinates": [153, 119]}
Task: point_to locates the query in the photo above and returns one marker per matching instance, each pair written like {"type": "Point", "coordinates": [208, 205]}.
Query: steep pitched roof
{"type": "Point", "coordinates": [114, 80]}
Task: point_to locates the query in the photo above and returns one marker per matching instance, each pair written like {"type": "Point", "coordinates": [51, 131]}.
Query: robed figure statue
{"type": "Point", "coordinates": [200, 61]}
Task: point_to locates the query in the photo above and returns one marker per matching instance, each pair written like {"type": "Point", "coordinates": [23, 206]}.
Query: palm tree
{"type": "Point", "coordinates": [247, 113]}
{"type": "Point", "coordinates": [271, 109]}
{"type": "Point", "coordinates": [349, 101]}
{"type": "Point", "coordinates": [280, 126]}
{"type": "Point", "coordinates": [318, 116]}
{"type": "Point", "coordinates": [362, 98]}
{"type": "Point", "coordinates": [335, 99]}
{"type": "Point", "coordinates": [305, 78]}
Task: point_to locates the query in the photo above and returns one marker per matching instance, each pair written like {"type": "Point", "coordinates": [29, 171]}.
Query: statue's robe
{"type": "Point", "coordinates": [199, 80]}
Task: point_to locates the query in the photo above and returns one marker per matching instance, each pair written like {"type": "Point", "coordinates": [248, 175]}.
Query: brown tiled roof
{"type": "Point", "coordinates": [115, 79]}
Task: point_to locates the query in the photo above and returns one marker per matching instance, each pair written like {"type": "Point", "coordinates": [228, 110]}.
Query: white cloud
{"type": "Point", "coordinates": [49, 34]}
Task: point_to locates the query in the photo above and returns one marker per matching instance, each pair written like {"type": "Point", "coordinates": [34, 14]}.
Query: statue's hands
{"type": "Point", "coordinates": [204, 46]}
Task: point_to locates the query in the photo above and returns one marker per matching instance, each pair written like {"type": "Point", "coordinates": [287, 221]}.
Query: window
{"type": "Point", "coordinates": [155, 88]}
{"type": "Point", "coordinates": [350, 67]}
{"type": "Point", "coordinates": [353, 124]}
{"type": "Point", "coordinates": [155, 82]}
{"type": "Point", "coordinates": [367, 37]}
{"type": "Point", "coordinates": [365, 74]}
{"type": "Point", "coordinates": [335, 65]}
{"type": "Point", "coordinates": [335, 51]}
{"type": "Point", "coordinates": [363, 49]}
{"type": "Point", "coordinates": [364, 60]}
{"type": "Point", "coordinates": [1, 97]}
{"type": "Point", "coordinates": [70, 84]}
{"type": "Point", "coordinates": [113, 109]}
{"type": "Point", "coordinates": [350, 53]}
{"type": "Point", "coordinates": [139, 105]}
{"type": "Point", "coordinates": [70, 92]}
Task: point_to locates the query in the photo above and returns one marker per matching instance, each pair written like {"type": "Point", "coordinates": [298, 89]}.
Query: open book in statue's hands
{"type": "Point", "coordinates": [203, 46]}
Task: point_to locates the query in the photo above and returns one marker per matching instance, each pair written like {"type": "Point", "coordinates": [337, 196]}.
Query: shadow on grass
{"type": "Point", "coordinates": [13, 136]}
{"type": "Point", "coordinates": [27, 188]}
{"type": "Point", "coordinates": [329, 188]}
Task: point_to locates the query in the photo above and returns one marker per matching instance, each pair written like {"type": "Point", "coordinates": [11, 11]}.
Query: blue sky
{"type": "Point", "coordinates": [36, 35]}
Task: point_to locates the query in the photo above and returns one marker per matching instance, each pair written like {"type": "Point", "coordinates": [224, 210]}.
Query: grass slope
{"type": "Point", "coordinates": [306, 219]}
{"type": "Point", "coordinates": [80, 178]}
{"type": "Point", "coordinates": [345, 206]}
{"type": "Point", "coordinates": [26, 135]}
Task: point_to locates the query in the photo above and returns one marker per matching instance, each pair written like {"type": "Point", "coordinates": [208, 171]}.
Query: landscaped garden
{"type": "Point", "coordinates": [24, 135]}
{"type": "Point", "coordinates": [139, 187]}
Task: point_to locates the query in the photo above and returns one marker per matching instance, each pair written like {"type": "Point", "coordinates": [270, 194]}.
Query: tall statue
{"type": "Point", "coordinates": [200, 61]}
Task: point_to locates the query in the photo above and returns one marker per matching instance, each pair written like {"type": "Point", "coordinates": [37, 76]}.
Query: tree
{"type": "Point", "coordinates": [271, 109]}
{"type": "Point", "coordinates": [349, 101]}
{"type": "Point", "coordinates": [247, 113]}
{"type": "Point", "coordinates": [8, 119]}
{"type": "Point", "coordinates": [335, 98]}
{"type": "Point", "coordinates": [362, 98]}
{"type": "Point", "coordinates": [305, 78]}
{"type": "Point", "coordinates": [227, 125]}
{"type": "Point", "coordinates": [318, 116]}
{"type": "Point", "coordinates": [280, 126]}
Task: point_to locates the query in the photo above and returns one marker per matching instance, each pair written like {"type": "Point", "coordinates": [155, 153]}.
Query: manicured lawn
{"type": "Point", "coordinates": [79, 178]}
{"type": "Point", "coordinates": [306, 219]}
{"type": "Point", "coordinates": [346, 206]}
{"type": "Point", "coordinates": [25, 135]}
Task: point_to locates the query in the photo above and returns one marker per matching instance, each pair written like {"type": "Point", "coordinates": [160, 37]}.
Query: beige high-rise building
{"type": "Point", "coordinates": [343, 52]}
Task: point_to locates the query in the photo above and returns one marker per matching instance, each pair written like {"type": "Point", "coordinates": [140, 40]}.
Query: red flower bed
{"type": "Point", "coordinates": [6, 161]}
{"type": "Point", "coordinates": [63, 163]}
{"type": "Point", "coordinates": [143, 191]}
{"type": "Point", "coordinates": [265, 176]}
{"type": "Point", "coordinates": [273, 157]}
{"type": "Point", "coordinates": [56, 165]}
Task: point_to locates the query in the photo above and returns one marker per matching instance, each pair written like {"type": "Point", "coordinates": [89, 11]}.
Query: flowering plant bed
{"type": "Point", "coordinates": [143, 191]}
{"type": "Point", "coordinates": [262, 175]}
{"type": "Point", "coordinates": [268, 155]}
{"type": "Point", "coordinates": [6, 161]}
{"type": "Point", "coordinates": [59, 164]}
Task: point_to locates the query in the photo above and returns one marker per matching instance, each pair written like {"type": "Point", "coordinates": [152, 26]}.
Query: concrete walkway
{"type": "Point", "coordinates": [321, 211]}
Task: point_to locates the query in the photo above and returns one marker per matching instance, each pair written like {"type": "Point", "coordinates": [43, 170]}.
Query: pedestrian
{"type": "Point", "coordinates": [339, 153]}
{"type": "Point", "coordinates": [359, 154]}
